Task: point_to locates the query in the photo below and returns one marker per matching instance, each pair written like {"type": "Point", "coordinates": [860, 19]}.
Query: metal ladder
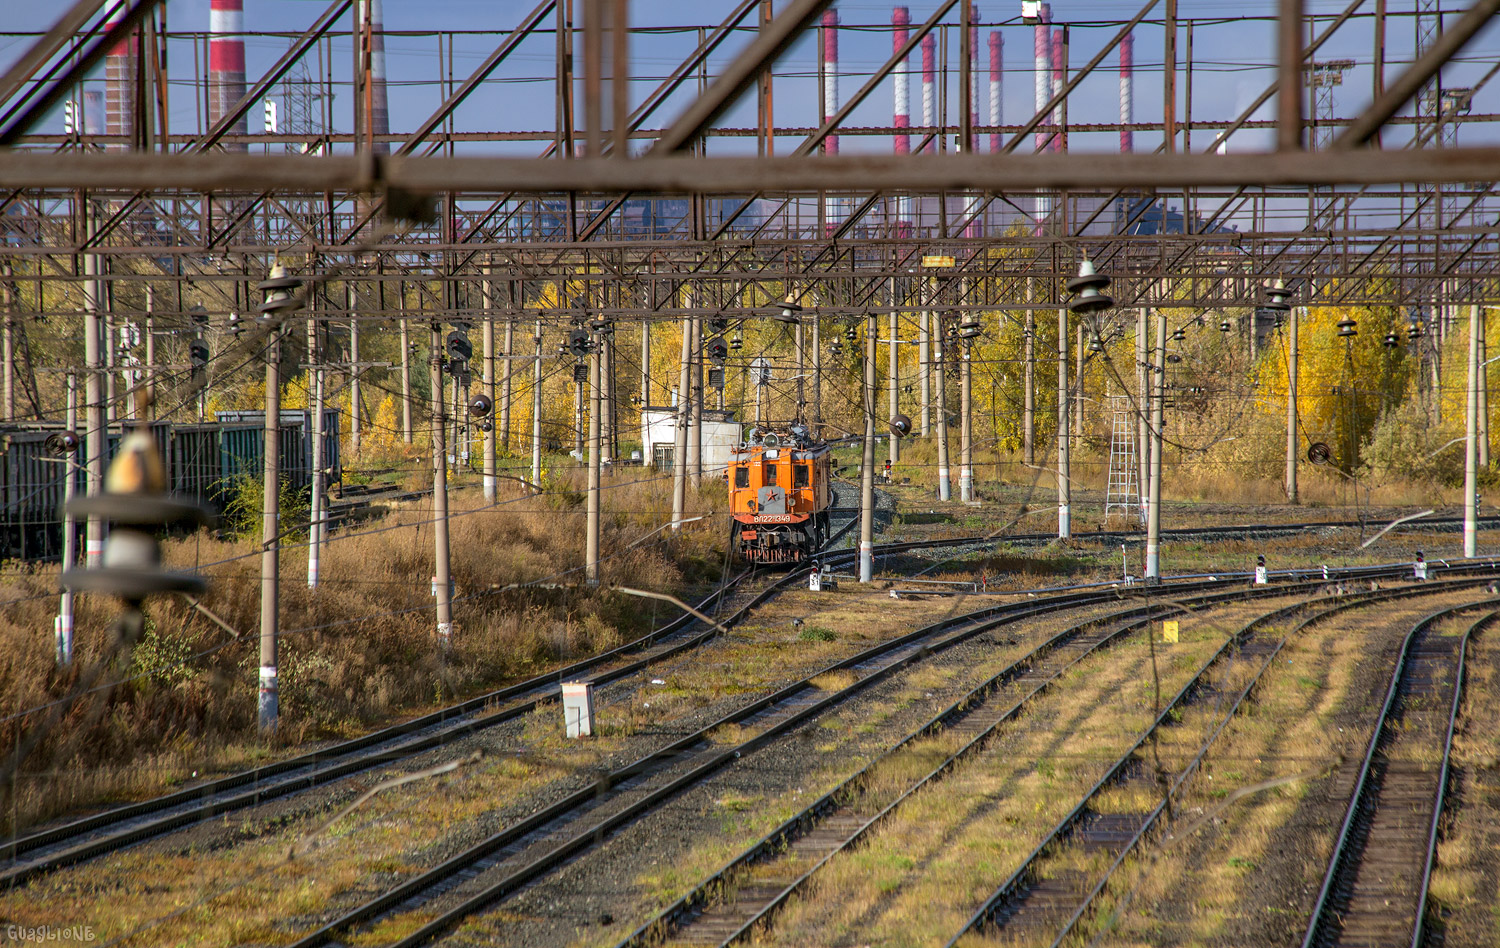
{"type": "Point", "coordinates": [1124, 491]}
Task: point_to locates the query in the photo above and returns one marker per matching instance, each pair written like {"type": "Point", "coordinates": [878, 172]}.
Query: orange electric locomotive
{"type": "Point", "coordinates": [779, 496]}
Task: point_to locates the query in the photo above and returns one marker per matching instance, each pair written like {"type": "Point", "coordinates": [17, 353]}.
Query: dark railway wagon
{"type": "Point", "coordinates": [203, 461]}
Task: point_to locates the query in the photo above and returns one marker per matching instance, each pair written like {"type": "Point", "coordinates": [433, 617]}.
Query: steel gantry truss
{"type": "Point", "coordinates": [1403, 224]}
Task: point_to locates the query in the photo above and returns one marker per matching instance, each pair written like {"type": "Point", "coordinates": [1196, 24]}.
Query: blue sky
{"type": "Point", "coordinates": [1231, 57]}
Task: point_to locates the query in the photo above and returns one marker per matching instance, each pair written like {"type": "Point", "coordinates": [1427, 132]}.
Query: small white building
{"type": "Point", "coordinates": [721, 435]}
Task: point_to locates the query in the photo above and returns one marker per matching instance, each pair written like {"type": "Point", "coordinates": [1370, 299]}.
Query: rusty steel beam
{"type": "Point", "coordinates": [1406, 86]}
{"type": "Point", "coordinates": [739, 75]}
{"type": "Point", "coordinates": [117, 32]}
{"type": "Point", "coordinates": [65, 29]}
{"type": "Point", "coordinates": [923, 174]}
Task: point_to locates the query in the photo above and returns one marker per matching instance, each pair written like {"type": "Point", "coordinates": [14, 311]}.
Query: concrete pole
{"type": "Point", "coordinates": [867, 463]}
{"type": "Point", "coordinates": [591, 536]}
{"type": "Point", "coordinates": [799, 415]}
{"type": "Point", "coordinates": [1064, 436]}
{"type": "Point", "coordinates": [607, 394]}
{"type": "Point", "coordinates": [355, 434]}
{"type": "Point", "coordinates": [536, 407]}
{"type": "Point", "coordinates": [1484, 390]}
{"type": "Point", "coordinates": [1028, 393]}
{"type": "Point", "coordinates": [93, 397]}
{"type": "Point", "coordinates": [488, 345]}
{"type": "Point", "coordinates": [1291, 406]}
{"type": "Point", "coordinates": [1078, 351]}
{"type": "Point", "coordinates": [893, 384]}
{"type": "Point", "coordinates": [1143, 398]}
{"type": "Point", "coordinates": [645, 370]}
{"type": "Point", "coordinates": [268, 705]}
{"type": "Point", "coordinates": [314, 374]}
{"type": "Point", "coordinates": [695, 433]}
{"type": "Point", "coordinates": [684, 417]}
{"type": "Point", "coordinates": [442, 575]}
{"type": "Point", "coordinates": [70, 539]}
{"type": "Point", "coordinates": [150, 351]}
{"type": "Point", "coordinates": [8, 345]}
{"type": "Point", "coordinates": [924, 370]}
{"type": "Point", "coordinates": [487, 353]}
{"type": "Point", "coordinates": [1471, 440]}
{"type": "Point", "coordinates": [966, 431]}
{"type": "Point", "coordinates": [507, 390]}
{"type": "Point", "coordinates": [406, 427]}
{"type": "Point", "coordinates": [1158, 400]}
{"type": "Point", "coordinates": [817, 347]}
{"type": "Point", "coordinates": [940, 409]}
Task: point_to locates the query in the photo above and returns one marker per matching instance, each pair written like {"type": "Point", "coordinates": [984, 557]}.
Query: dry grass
{"type": "Point", "coordinates": [1466, 877]}
{"type": "Point", "coordinates": [1230, 867]}
{"type": "Point", "coordinates": [355, 652]}
{"type": "Point", "coordinates": [921, 873]}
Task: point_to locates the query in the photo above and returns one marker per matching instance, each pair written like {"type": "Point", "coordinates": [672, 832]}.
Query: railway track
{"type": "Point", "coordinates": [518, 855]}
{"type": "Point", "coordinates": [1037, 906]}
{"type": "Point", "coordinates": [79, 840]}
{"type": "Point", "coordinates": [832, 824]}
{"type": "Point", "coordinates": [83, 839]}
{"type": "Point", "coordinates": [535, 846]}
{"type": "Point", "coordinates": [1375, 888]}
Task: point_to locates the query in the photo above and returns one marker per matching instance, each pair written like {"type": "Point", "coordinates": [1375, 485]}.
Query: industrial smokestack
{"type": "Point", "coordinates": [1042, 51]}
{"type": "Point", "coordinates": [377, 108]}
{"type": "Point", "coordinates": [830, 67]}
{"type": "Point", "coordinates": [1127, 97]}
{"type": "Point", "coordinates": [929, 86]}
{"type": "Point", "coordinates": [226, 65]}
{"type": "Point", "coordinates": [973, 143]}
{"type": "Point", "coordinates": [1042, 48]}
{"type": "Point", "coordinates": [901, 21]}
{"type": "Point", "coordinates": [1059, 70]}
{"type": "Point", "coordinates": [997, 102]}
{"type": "Point", "coordinates": [119, 79]}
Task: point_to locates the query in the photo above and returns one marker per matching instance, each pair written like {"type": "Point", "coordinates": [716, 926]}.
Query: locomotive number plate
{"type": "Point", "coordinates": [777, 518]}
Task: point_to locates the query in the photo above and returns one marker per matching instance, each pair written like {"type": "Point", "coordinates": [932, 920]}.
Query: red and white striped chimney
{"type": "Point", "coordinates": [119, 78]}
{"type": "Point", "coordinates": [830, 68]}
{"type": "Point", "coordinates": [901, 32]}
{"type": "Point", "coordinates": [226, 65]}
{"type": "Point", "coordinates": [997, 99]}
{"type": "Point", "coordinates": [379, 107]}
{"type": "Point", "coordinates": [1059, 70]}
{"type": "Point", "coordinates": [1042, 49]}
{"type": "Point", "coordinates": [973, 144]}
{"type": "Point", "coordinates": [1127, 97]}
{"type": "Point", "coordinates": [929, 86]}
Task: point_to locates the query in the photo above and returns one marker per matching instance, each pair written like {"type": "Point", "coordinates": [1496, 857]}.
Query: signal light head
{"type": "Point", "coordinates": [480, 406]}
{"type": "Point", "coordinates": [61, 444]}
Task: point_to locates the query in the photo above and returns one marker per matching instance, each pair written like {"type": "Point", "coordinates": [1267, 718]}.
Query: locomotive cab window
{"type": "Point", "coordinates": [770, 474]}
{"type": "Point", "coordinates": [799, 475]}
{"type": "Point", "coordinates": [742, 477]}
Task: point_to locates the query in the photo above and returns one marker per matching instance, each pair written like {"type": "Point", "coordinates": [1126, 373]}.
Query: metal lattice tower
{"type": "Point", "coordinates": [1322, 78]}
{"type": "Point", "coordinates": [301, 96]}
{"type": "Point", "coordinates": [1124, 490]}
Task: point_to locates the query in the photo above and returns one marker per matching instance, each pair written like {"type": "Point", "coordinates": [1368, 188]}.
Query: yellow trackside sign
{"type": "Point", "coordinates": [1169, 630]}
{"type": "Point", "coordinates": [934, 260]}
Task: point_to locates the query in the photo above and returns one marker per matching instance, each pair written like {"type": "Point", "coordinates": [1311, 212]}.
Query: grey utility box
{"type": "Point", "coordinates": [578, 707]}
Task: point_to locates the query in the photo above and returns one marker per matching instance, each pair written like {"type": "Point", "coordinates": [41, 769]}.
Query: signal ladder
{"type": "Point", "coordinates": [1124, 489]}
